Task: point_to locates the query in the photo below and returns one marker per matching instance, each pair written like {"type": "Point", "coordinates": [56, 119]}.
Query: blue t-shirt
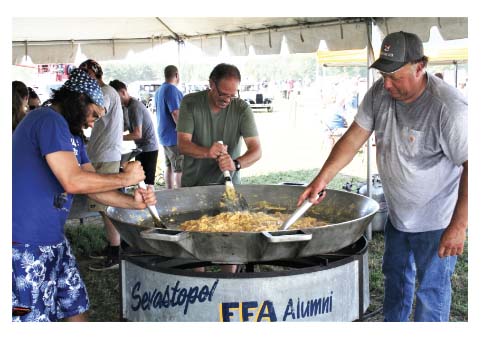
{"type": "Point", "coordinates": [168, 99]}
{"type": "Point", "coordinates": [40, 205]}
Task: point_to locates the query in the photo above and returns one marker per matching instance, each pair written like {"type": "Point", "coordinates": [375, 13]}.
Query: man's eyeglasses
{"type": "Point", "coordinates": [224, 95]}
{"type": "Point", "coordinates": [98, 115]}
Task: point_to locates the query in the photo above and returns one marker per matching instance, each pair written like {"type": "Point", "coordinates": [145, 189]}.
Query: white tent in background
{"type": "Point", "coordinates": [56, 39]}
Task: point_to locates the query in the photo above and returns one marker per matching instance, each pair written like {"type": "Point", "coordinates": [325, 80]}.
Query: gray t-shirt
{"type": "Point", "coordinates": [105, 143]}
{"type": "Point", "coordinates": [138, 115]}
{"type": "Point", "coordinates": [420, 149]}
{"type": "Point", "coordinates": [229, 125]}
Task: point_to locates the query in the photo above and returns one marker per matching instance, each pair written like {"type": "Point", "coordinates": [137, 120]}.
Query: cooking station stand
{"type": "Point", "coordinates": [331, 287]}
{"type": "Point", "coordinates": [316, 273]}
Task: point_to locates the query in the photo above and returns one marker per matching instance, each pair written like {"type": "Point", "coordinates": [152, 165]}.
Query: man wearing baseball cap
{"type": "Point", "coordinates": [49, 165]}
{"type": "Point", "coordinates": [104, 150]}
{"type": "Point", "coordinates": [420, 125]}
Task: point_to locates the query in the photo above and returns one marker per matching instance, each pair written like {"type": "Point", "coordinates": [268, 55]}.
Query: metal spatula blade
{"type": "Point", "coordinates": [298, 213]}
{"type": "Point", "coordinates": [153, 210]}
{"type": "Point", "coordinates": [231, 200]}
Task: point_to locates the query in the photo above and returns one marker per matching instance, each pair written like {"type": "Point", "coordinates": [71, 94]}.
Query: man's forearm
{"type": "Point", "coordinates": [250, 157]}
{"type": "Point", "coordinates": [84, 180]}
{"type": "Point", "coordinates": [136, 134]}
{"type": "Point", "coordinates": [453, 238]}
{"type": "Point", "coordinates": [193, 150]}
{"type": "Point", "coordinates": [461, 211]}
{"type": "Point", "coordinates": [343, 152]}
{"type": "Point", "coordinates": [175, 116]}
{"type": "Point", "coordinates": [131, 137]}
{"type": "Point", "coordinates": [89, 182]}
{"type": "Point", "coordinates": [115, 198]}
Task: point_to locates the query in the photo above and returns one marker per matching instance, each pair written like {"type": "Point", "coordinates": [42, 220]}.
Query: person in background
{"type": "Point", "coordinates": [440, 75]}
{"type": "Point", "coordinates": [141, 130]}
{"type": "Point", "coordinates": [104, 150]}
{"type": "Point", "coordinates": [47, 145]}
{"type": "Point", "coordinates": [168, 101]}
{"type": "Point", "coordinates": [420, 125]}
{"type": "Point", "coordinates": [33, 99]}
{"type": "Point", "coordinates": [19, 102]}
{"type": "Point", "coordinates": [336, 121]}
{"type": "Point", "coordinates": [214, 115]}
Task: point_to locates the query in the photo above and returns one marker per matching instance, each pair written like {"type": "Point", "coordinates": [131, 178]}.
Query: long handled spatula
{"type": "Point", "coordinates": [298, 213]}
{"type": "Point", "coordinates": [153, 210]}
{"type": "Point", "coordinates": [231, 199]}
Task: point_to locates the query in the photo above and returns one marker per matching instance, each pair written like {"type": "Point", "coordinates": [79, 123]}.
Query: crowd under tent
{"type": "Point", "coordinates": [61, 39]}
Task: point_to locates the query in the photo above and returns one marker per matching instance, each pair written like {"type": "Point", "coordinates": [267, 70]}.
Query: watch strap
{"type": "Point", "coordinates": [237, 165]}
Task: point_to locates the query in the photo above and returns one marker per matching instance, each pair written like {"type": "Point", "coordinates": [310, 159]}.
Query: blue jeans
{"type": "Point", "coordinates": [414, 255]}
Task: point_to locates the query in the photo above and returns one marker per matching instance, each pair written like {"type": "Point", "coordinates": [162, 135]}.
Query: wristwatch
{"type": "Point", "coordinates": [237, 164]}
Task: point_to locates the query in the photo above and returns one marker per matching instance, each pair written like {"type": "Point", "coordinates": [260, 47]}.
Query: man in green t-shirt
{"type": "Point", "coordinates": [214, 115]}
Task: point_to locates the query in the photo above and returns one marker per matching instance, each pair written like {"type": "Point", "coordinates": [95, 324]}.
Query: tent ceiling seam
{"type": "Point", "coordinates": [178, 38]}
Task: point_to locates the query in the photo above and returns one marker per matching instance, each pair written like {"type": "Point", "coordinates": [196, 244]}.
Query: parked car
{"type": "Point", "coordinates": [257, 95]}
{"type": "Point", "coordinates": [193, 87]}
{"type": "Point", "coordinates": [144, 91]}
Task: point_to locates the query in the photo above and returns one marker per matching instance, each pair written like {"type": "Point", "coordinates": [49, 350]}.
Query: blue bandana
{"type": "Point", "coordinates": [80, 82]}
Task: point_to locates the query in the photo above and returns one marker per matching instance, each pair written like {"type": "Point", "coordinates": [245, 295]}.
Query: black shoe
{"type": "Point", "coordinates": [110, 262]}
{"type": "Point", "coordinates": [100, 255]}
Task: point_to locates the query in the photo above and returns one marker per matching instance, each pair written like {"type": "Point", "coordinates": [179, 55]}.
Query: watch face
{"type": "Point", "coordinates": [237, 165]}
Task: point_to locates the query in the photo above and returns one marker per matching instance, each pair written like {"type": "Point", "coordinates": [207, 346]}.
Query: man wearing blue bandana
{"type": "Point", "coordinates": [49, 165]}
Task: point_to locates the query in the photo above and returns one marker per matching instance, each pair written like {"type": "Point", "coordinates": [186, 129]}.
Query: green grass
{"type": "Point", "coordinates": [460, 285]}
{"type": "Point", "coordinates": [301, 176]}
{"type": "Point", "coordinates": [104, 289]}
{"type": "Point", "coordinates": [86, 238]}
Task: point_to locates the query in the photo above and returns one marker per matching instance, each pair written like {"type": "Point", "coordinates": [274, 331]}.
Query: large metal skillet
{"type": "Point", "coordinates": [348, 215]}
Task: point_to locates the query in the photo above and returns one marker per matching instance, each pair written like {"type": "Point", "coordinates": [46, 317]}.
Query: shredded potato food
{"type": "Point", "coordinates": [230, 193]}
{"type": "Point", "coordinates": [246, 221]}
{"type": "Point", "coordinates": [266, 205]}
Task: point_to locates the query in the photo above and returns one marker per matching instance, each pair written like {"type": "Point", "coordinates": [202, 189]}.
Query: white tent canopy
{"type": "Point", "coordinates": [58, 39]}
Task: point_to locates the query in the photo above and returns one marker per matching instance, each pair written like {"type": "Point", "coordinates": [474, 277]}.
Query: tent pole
{"type": "Point", "coordinates": [179, 55]}
{"type": "Point", "coordinates": [456, 74]}
{"type": "Point", "coordinates": [370, 59]}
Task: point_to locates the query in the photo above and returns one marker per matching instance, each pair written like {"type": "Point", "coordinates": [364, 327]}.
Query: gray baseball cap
{"type": "Point", "coordinates": [398, 48]}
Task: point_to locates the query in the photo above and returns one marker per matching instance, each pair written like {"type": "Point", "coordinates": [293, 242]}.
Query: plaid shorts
{"type": "Point", "coordinates": [46, 280]}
